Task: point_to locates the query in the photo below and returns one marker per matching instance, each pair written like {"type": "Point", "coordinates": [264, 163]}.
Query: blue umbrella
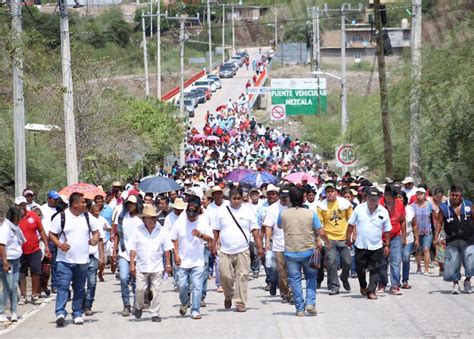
{"type": "Point", "coordinates": [259, 178]}
{"type": "Point", "coordinates": [158, 184]}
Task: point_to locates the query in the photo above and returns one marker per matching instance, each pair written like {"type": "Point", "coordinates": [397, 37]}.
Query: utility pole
{"type": "Point", "coordinates": [315, 12]}
{"type": "Point", "coordinates": [223, 33]}
{"type": "Point", "coordinates": [151, 18]}
{"type": "Point", "coordinates": [68, 96]}
{"type": "Point", "coordinates": [233, 31]}
{"type": "Point", "coordinates": [145, 57]}
{"type": "Point", "coordinates": [209, 33]}
{"type": "Point", "coordinates": [276, 26]}
{"type": "Point", "coordinates": [387, 144]}
{"type": "Point", "coordinates": [18, 102]}
{"type": "Point", "coordinates": [158, 50]}
{"type": "Point", "coordinates": [415, 91]}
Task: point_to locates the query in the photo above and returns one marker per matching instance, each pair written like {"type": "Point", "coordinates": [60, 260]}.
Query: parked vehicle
{"type": "Point", "coordinates": [205, 83]}
{"type": "Point", "coordinates": [232, 64]}
{"type": "Point", "coordinates": [239, 59]}
{"type": "Point", "coordinates": [200, 94]}
{"type": "Point", "coordinates": [188, 107]}
{"type": "Point", "coordinates": [207, 92]}
{"type": "Point", "coordinates": [192, 96]}
{"type": "Point", "coordinates": [226, 71]}
{"type": "Point", "coordinates": [216, 80]}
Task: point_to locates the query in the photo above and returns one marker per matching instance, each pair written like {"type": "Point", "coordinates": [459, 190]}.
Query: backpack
{"type": "Point", "coordinates": [63, 223]}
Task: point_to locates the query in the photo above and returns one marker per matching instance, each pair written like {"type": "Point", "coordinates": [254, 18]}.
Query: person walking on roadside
{"type": "Point", "coordinates": [70, 233]}
{"type": "Point", "coordinates": [456, 218]}
{"type": "Point", "coordinates": [396, 211]}
{"type": "Point", "coordinates": [96, 260]}
{"type": "Point", "coordinates": [301, 227]}
{"type": "Point", "coordinates": [128, 221]}
{"type": "Point", "coordinates": [334, 212]}
{"type": "Point", "coordinates": [32, 256]}
{"type": "Point", "coordinates": [11, 241]}
{"type": "Point", "coordinates": [148, 244]}
{"type": "Point", "coordinates": [189, 236]}
{"type": "Point", "coordinates": [423, 218]}
{"type": "Point", "coordinates": [232, 229]}
{"type": "Point", "coordinates": [372, 223]}
{"type": "Point", "coordinates": [412, 241]}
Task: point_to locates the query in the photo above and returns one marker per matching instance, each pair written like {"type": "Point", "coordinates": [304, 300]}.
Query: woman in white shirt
{"type": "Point", "coordinates": [412, 240]}
{"type": "Point", "coordinates": [11, 240]}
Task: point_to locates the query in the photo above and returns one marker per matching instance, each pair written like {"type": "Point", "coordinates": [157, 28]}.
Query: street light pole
{"type": "Point", "coordinates": [18, 102]}
{"type": "Point", "coordinates": [233, 31]}
{"type": "Point", "coordinates": [209, 33]}
{"type": "Point", "coordinates": [223, 33]}
{"type": "Point", "coordinates": [158, 51]}
{"type": "Point", "coordinates": [145, 57]}
{"type": "Point", "coordinates": [343, 73]}
{"type": "Point", "coordinates": [68, 97]}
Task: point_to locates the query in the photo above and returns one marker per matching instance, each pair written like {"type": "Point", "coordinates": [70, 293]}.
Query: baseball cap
{"type": "Point", "coordinates": [20, 200]}
{"type": "Point", "coordinates": [421, 190]}
{"type": "Point", "coordinates": [195, 201]}
{"type": "Point", "coordinates": [132, 198]}
{"type": "Point", "coordinates": [372, 193]}
{"type": "Point", "coordinates": [284, 192]}
{"type": "Point", "coordinates": [330, 184]}
{"type": "Point", "coordinates": [28, 192]}
{"type": "Point", "coordinates": [408, 180]}
{"type": "Point", "coordinates": [53, 194]}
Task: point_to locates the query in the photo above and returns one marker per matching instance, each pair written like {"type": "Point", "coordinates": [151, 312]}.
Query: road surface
{"type": "Point", "coordinates": [428, 310]}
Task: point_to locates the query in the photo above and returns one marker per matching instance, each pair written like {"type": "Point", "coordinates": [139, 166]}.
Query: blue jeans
{"type": "Point", "coordinates": [455, 255]}
{"type": "Point", "coordinates": [125, 279]}
{"type": "Point", "coordinates": [91, 281]}
{"type": "Point", "coordinates": [54, 253]}
{"type": "Point", "coordinates": [10, 286]}
{"type": "Point", "coordinates": [190, 279]}
{"type": "Point", "coordinates": [406, 253]}
{"type": "Point", "coordinates": [426, 240]}
{"type": "Point", "coordinates": [218, 272]}
{"type": "Point", "coordinates": [205, 274]}
{"type": "Point", "coordinates": [395, 260]}
{"type": "Point", "coordinates": [294, 266]}
{"type": "Point", "coordinates": [67, 273]}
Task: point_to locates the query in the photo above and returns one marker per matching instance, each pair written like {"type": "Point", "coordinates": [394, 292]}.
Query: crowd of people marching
{"type": "Point", "coordinates": [297, 227]}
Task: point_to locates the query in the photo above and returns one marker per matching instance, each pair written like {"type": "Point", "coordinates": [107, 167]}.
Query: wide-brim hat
{"type": "Point", "coordinates": [179, 204]}
{"type": "Point", "coordinates": [148, 211]}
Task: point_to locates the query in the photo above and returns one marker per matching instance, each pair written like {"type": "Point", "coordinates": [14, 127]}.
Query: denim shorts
{"type": "Point", "coordinates": [426, 241]}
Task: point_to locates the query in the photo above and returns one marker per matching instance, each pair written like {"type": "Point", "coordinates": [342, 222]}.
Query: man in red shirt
{"type": "Point", "coordinates": [396, 210]}
{"type": "Point", "coordinates": [30, 225]}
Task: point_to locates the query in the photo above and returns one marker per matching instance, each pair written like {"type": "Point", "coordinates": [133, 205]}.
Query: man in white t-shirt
{"type": "Point", "coordinates": [96, 259]}
{"type": "Point", "coordinates": [70, 233]}
{"type": "Point", "coordinates": [254, 205]}
{"type": "Point", "coordinates": [127, 223]}
{"type": "Point", "coordinates": [149, 243]}
{"type": "Point", "coordinates": [189, 235]}
{"type": "Point", "coordinates": [274, 233]}
{"type": "Point", "coordinates": [233, 227]}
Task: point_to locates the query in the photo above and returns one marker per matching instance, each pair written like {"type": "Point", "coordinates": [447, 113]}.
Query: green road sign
{"type": "Point", "coordinates": [300, 96]}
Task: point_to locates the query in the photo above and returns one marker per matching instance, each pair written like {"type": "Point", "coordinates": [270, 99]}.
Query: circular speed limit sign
{"type": "Point", "coordinates": [346, 155]}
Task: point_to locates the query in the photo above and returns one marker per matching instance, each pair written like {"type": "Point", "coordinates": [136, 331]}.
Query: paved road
{"type": "Point", "coordinates": [231, 89]}
{"type": "Point", "coordinates": [428, 309]}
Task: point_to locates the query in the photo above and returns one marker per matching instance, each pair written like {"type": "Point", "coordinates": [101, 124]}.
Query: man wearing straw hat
{"type": "Point", "coordinates": [147, 246]}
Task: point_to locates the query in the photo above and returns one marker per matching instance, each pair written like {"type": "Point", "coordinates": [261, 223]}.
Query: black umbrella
{"type": "Point", "coordinates": [158, 184]}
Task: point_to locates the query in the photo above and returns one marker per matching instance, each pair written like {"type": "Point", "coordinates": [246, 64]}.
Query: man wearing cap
{"type": "Point", "coordinates": [334, 212]}
{"type": "Point", "coordinates": [30, 203]}
{"type": "Point", "coordinates": [409, 187]}
{"type": "Point", "coordinates": [128, 222]}
{"type": "Point", "coordinates": [372, 223]}
{"type": "Point", "coordinates": [148, 244]}
{"type": "Point", "coordinates": [189, 236]}
{"type": "Point", "coordinates": [48, 210]}
{"type": "Point", "coordinates": [30, 224]}
{"type": "Point", "coordinates": [275, 238]}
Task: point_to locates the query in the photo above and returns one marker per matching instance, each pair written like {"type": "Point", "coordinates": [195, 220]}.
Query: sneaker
{"type": "Point", "coordinates": [22, 300]}
{"type": "Point", "coordinates": [54, 290]}
{"type": "Point", "coordinates": [273, 290]}
{"type": "Point", "coordinates": [196, 316]}
{"type": "Point", "coordinates": [78, 321]}
{"type": "Point", "coordinates": [35, 300]}
{"type": "Point", "coordinates": [311, 310]}
{"type": "Point", "coordinates": [354, 275]}
{"type": "Point", "coordinates": [467, 287]}
{"type": "Point", "coordinates": [300, 313]}
{"type": "Point", "coordinates": [3, 318]}
{"type": "Point", "coordinates": [126, 311]}
{"type": "Point", "coordinates": [47, 291]}
{"type": "Point", "coordinates": [220, 289]}
{"type": "Point", "coordinates": [14, 318]}
{"type": "Point", "coordinates": [137, 313]}
{"type": "Point", "coordinates": [395, 291]}
{"type": "Point", "coordinates": [456, 289]}
{"type": "Point", "coordinates": [156, 319]}
{"type": "Point", "coordinates": [255, 275]}
{"type": "Point", "coordinates": [183, 309]}
{"type": "Point", "coordinates": [60, 320]}
{"type": "Point", "coordinates": [88, 312]}
{"type": "Point", "coordinates": [203, 303]}
{"type": "Point", "coordinates": [266, 288]}
{"type": "Point", "coordinates": [333, 292]}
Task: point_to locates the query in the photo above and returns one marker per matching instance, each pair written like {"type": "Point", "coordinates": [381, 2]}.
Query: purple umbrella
{"type": "Point", "coordinates": [238, 174]}
{"type": "Point", "coordinates": [191, 160]}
